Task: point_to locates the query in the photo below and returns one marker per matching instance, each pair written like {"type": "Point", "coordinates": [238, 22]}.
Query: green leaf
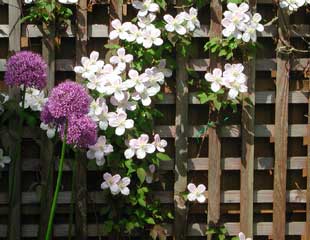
{"type": "Point", "coordinates": [162, 4]}
{"type": "Point", "coordinates": [112, 46]}
{"type": "Point", "coordinates": [150, 220]}
{"type": "Point", "coordinates": [107, 226]}
{"type": "Point", "coordinates": [203, 97]}
{"type": "Point", "coordinates": [141, 174]}
{"type": "Point", "coordinates": [163, 156]}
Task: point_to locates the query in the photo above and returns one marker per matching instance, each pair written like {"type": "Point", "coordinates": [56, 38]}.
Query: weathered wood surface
{"type": "Point", "coordinates": [81, 160]}
{"type": "Point", "coordinates": [247, 130]}
{"type": "Point", "coordinates": [281, 130]}
{"type": "Point", "coordinates": [181, 146]}
{"type": "Point", "coordinates": [14, 230]}
{"type": "Point", "coordinates": [214, 173]}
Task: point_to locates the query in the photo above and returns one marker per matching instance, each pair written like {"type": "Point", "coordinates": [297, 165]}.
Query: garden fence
{"type": "Point", "coordinates": [256, 166]}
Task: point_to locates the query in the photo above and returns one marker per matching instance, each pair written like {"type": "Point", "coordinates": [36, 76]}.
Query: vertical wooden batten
{"type": "Point", "coordinates": [281, 129]}
{"type": "Point", "coordinates": [81, 161]}
{"type": "Point", "coordinates": [47, 147]}
{"type": "Point", "coordinates": [181, 145]}
{"type": "Point", "coordinates": [14, 224]}
{"type": "Point", "coordinates": [247, 160]}
{"type": "Point", "coordinates": [214, 171]}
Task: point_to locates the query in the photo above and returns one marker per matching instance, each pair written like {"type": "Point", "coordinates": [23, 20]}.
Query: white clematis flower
{"type": "Point", "coordinates": [122, 185]}
{"type": "Point", "coordinates": [196, 193]}
{"type": "Point", "coordinates": [111, 182]}
{"type": "Point", "coordinates": [145, 7]}
{"type": "Point", "coordinates": [160, 144]}
{"type": "Point", "coordinates": [99, 150]}
{"type": "Point", "coordinates": [120, 122]}
{"type": "Point", "coordinates": [252, 27]}
{"type": "Point", "coordinates": [34, 99]}
{"type": "Point", "coordinates": [146, 20]}
{"type": "Point", "coordinates": [175, 24]}
{"type": "Point", "coordinates": [215, 78]}
{"type": "Point", "coordinates": [121, 59]}
{"type": "Point", "coordinates": [235, 20]}
{"type": "Point", "coordinates": [191, 18]}
{"type": "Point", "coordinates": [120, 30]}
{"type": "Point", "coordinates": [68, 1]}
{"type": "Point", "coordinates": [116, 86]}
{"type": "Point", "coordinates": [90, 65]}
{"type": "Point", "coordinates": [151, 36]}
{"type": "Point", "coordinates": [139, 147]}
{"type": "Point", "coordinates": [136, 80]}
{"type": "Point", "coordinates": [125, 104]}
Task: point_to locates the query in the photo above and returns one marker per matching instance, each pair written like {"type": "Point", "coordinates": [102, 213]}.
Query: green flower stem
{"type": "Point", "coordinates": [58, 183]}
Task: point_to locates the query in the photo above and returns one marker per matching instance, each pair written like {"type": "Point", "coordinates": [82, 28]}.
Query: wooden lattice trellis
{"type": "Point", "coordinates": [274, 184]}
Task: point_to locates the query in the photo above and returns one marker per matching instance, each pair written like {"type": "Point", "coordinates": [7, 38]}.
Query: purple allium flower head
{"type": "Point", "coordinates": [81, 131]}
{"type": "Point", "coordinates": [68, 98]}
{"type": "Point", "coordinates": [26, 68]}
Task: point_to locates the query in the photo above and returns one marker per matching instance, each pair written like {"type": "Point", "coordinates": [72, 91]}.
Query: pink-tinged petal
{"type": "Point", "coordinates": [150, 148]}
{"type": "Point", "coordinates": [168, 18]}
{"type": "Point", "coordinates": [232, 7]}
{"type": "Point", "coordinates": [180, 30]}
{"type": "Point", "coordinates": [114, 60]}
{"type": "Point", "coordinates": [133, 74]}
{"type": "Point", "coordinates": [128, 58]}
{"type": "Point", "coordinates": [233, 93]}
{"type": "Point", "coordinates": [90, 154]}
{"type": "Point", "coordinates": [146, 101]}
{"type": "Point", "coordinates": [107, 176]}
{"type": "Point", "coordinates": [191, 197]}
{"type": "Point", "coordinates": [113, 35]}
{"type": "Point", "coordinates": [119, 131]}
{"type": "Point", "coordinates": [94, 55]}
{"type": "Point", "coordinates": [114, 189]}
{"type": "Point", "coordinates": [104, 185]}
{"type": "Point", "coordinates": [137, 4]}
{"type": "Point", "coordinates": [241, 236]}
{"type": "Point", "coordinates": [191, 187]}
{"type": "Point", "coordinates": [144, 138]}
{"type": "Point", "coordinates": [201, 198]}
{"type": "Point", "coordinates": [244, 7]}
{"type": "Point", "coordinates": [153, 7]}
{"type": "Point", "coordinates": [129, 153]}
{"type": "Point", "coordinates": [99, 155]}
{"type": "Point", "coordinates": [129, 123]}
{"type": "Point", "coordinates": [141, 154]}
{"type": "Point", "coordinates": [116, 23]}
{"type": "Point", "coordinates": [158, 41]}
{"type": "Point", "coordinates": [125, 181]}
{"type": "Point", "coordinates": [116, 178]}
{"type": "Point", "coordinates": [209, 77]}
{"type": "Point", "coordinates": [78, 69]}
{"type": "Point", "coordinates": [215, 87]}
{"type": "Point", "coordinates": [217, 72]}
{"type": "Point", "coordinates": [201, 188]}
{"type": "Point", "coordinates": [260, 28]}
{"type": "Point", "coordinates": [121, 52]}
{"type": "Point", "coordinates": [125, 191]}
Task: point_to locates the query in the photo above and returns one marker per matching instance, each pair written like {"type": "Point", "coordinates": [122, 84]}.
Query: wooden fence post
{"type": "Point", "coordinates": [247, 160]}
{"type": "Point", "coordinates": [214, 171]}
{"type": "Point", "coordinates": [47, 146]}
{"type": "Point", "coordinates": [281, 129]}
{"type": "Point", "coordinates": [81, 161]}
{"type": "Point", "coordinates": [14, 224]}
